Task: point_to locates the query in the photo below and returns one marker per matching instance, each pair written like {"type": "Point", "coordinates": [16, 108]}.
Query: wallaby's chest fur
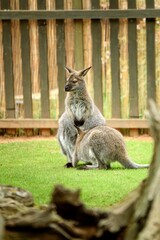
{"type": "Point", "coordinates": [79, 106]}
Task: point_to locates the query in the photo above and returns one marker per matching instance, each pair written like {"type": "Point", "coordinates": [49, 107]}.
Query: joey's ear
{"type": "Point", "coordinates": [80, 132]}
{"type": "Point", "coordinates": [83, 72]}
{"type": "Point", "coordinates": [69, 70]}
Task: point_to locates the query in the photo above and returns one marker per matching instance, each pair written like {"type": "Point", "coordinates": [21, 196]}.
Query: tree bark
{"type": "Point", "coordinates": [135, 218]}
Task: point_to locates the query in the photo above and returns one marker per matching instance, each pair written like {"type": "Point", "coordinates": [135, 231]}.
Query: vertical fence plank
{"type": "Point", "coordinates": [78, 38]}
{"type": "Point", "coordinates": [133, 72]}
{"type": "Point", "coordinates": [60, 57]}
{"type": "Point", "coordinates": [26, 72]}
{"type": "Point", "coordinates": [150, 41]}
{"type": "Point", "coordinates": [96, 58]}
{"type": "Point", "coordinates": [8, 65]}
{"type": "Point", "coordinates": [115, 65]}
{"type": "Point", "coordinates": [43, 61]}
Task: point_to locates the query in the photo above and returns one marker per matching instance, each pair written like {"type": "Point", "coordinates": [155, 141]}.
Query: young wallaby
{"type": "Point", "coordinates": [80, 111]}
{"type": "Point", "coordinates": [100, 146]}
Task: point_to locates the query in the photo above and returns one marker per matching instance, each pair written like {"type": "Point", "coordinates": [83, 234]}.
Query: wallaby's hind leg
{"type": "Point", "coordinates": [101, 164]}
{"type": "Point", "coordinates": [97, 163]}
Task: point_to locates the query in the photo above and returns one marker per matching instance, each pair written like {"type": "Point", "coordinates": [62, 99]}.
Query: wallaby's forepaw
{"type": "Point", "coordinates": [68, 165]}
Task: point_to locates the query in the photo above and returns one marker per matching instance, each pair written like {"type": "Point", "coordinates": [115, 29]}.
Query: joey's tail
{"type": "Point", "coordinates": [130, 164]}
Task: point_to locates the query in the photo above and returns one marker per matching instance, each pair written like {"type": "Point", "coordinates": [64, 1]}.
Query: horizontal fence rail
{"type": "Point", "coordinates": [50, 123]}
{"type": "Point", "coordinates": [79, 14]}
{"type": "Point", "coordinates": [38, 38]}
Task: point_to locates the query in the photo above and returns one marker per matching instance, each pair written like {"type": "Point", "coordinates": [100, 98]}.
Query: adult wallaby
{"type": "Point", "coordinates": [80, 111]}
{"type": "Point", "coordinates": [100, 146]}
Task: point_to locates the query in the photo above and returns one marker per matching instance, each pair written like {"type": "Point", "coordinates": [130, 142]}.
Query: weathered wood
{"type": "Point", "coordinates": [52, 221]}
{"type": "Point", "coordinates": [115, 64]}
{"type": "Point", "coordinates": [80, 14]}
{"type": "Point", "coordinates": [133, 71]}
{"type": "Point", "coordinates": [60, 57]}
{"type": "Point", "coordinates": [11, 132]}
{"type": "Point", "coordinates": [78, 38]}
{"type": "Point", "coordinates": [29, 123]}
{"type": "Point", "coordinates": [96, 58]}
{"type": "Point", "coordinates": [26, 72]}
{"type": "Point", "coordinates": [43, 61]}
{"type": "Point", "coordinates": [150, 51]}
{"type": "Point", "coordinates": [145, 221]}
{"type": "Point", "coordinates": [133, 132]}
{"type": "Point", "coordinates": [45, 132]}
{"type": "Point", "coordinates": [8, 64]}
{"type": "Point", "coordinates": [50, 123]}
{"type": "Point", "coordinates": [29, 132]}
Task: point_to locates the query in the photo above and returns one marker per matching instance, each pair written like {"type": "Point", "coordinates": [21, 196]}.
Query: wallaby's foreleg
{"type": "Point", "coordinates": [67, 135]}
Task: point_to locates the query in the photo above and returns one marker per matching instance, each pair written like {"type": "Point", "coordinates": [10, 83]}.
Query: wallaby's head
{"type": "Point", "coordinates": [75, 81]}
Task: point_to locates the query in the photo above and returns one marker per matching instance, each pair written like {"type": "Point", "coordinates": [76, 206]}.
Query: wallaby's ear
{"type": "Point", "coordinates": [83, 72]}
{"type": "Point", "coordinates": [69, 70]}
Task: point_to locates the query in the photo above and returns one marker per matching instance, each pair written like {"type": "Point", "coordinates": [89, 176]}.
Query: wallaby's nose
{"type": "Point", "coordinates": [67, 88]}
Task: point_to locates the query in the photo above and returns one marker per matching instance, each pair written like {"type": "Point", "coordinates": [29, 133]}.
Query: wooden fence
{"type": "Point", "coordinates": [39, 37]}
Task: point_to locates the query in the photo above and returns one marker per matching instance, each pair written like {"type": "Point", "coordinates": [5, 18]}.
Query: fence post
{"type": "Point", "coordinates": [60, 57]}
{"type": "Point", "coordinates": [132, 51]}
{"type": "Point", "coordinates": [43, 68]}
{"type": "Point", "coordinates": [115, 66]}
{"type": "Point", "coordinates": [43, 60]}
{"type": "Point", "coordinates": [133, 72]}
{"type": "Point", "coordinates": [78, 38]}
{"type": "Point", "coordinates": [8, 64]}
{"type": "Point", "coordinates": [26, 71]}
{"type": "Point", "coordinates": [96, 58]}
{"type": "Point", "coordinates": [150, 41]}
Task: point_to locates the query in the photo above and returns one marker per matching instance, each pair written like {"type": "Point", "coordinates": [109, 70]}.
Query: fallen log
{"type": "Point", "coordinates": [137, 217]}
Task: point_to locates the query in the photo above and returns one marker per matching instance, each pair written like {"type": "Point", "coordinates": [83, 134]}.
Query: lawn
{"type": "Point", "coordinates": [37, 166]}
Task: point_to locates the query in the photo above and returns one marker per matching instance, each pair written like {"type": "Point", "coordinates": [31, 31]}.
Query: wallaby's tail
{"type": "Point", "coordinates": [130, 164]}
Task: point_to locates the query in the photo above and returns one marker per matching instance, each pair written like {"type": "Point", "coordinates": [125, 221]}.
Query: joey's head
{"type": "Point", "coordinates": [75, 81]}
{"type": "Point", "coordinates": [80, 134]}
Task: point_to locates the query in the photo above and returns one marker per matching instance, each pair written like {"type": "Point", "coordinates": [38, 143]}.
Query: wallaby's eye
{"type": "Point", "coordinates": [75, 80]}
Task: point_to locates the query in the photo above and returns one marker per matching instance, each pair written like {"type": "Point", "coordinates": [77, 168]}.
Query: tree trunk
{"type": "Point", "coordinates": [66, 217]}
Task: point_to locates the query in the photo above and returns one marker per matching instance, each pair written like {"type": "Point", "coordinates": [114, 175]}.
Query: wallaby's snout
{"type": "Point", "coordinates": [72, 84]}
{"type": "Point", "coordinates": [68, 87]}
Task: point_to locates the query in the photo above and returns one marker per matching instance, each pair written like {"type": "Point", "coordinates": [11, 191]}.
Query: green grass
{"type": "Point", "coordinates": [37, 166]}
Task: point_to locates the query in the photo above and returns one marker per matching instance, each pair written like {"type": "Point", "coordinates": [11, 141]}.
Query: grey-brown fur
{"type": "Point", "coordinates": [100, 146]}
{"type": "Point", "coordinates": [80, 111]}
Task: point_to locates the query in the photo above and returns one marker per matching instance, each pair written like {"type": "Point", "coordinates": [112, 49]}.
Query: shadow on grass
{"type": "Point", "coordinates": [83, 166]}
